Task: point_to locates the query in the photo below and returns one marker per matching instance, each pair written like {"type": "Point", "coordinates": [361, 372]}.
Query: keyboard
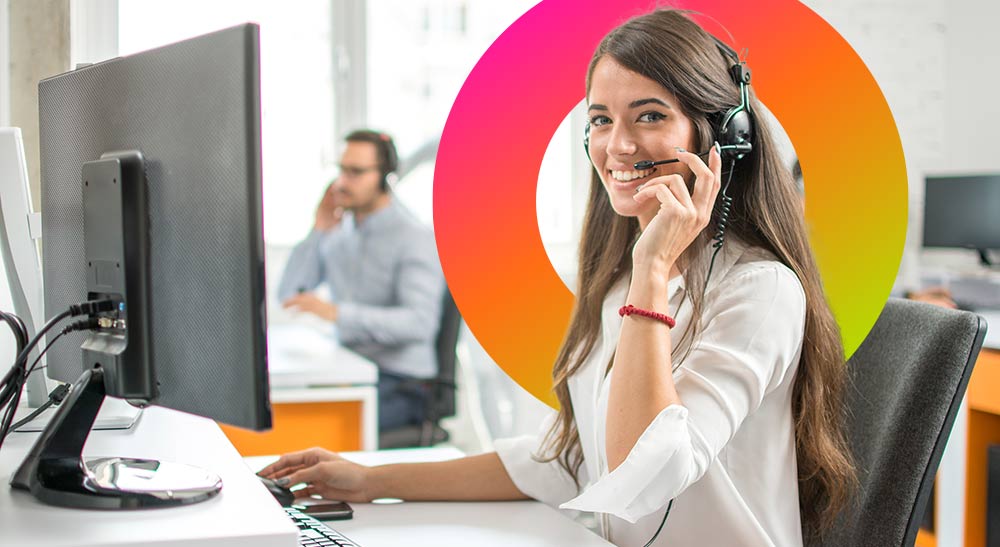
{"type": "Point", "coordinates": [313, 533]}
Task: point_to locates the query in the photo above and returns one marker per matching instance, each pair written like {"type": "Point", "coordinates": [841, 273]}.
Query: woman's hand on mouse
{"type": "Point", "coordinates": [682, 215]}
{"type": "Point", "coordinates": [324, 473]}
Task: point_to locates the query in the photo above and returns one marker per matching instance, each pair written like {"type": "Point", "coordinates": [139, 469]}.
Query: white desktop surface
{"type": "Point", "coordinates": [445, 524]}
{"type": "Point", "coordinates": [244, 514]}
{"type": "Point", "coordinates": [302, 355]}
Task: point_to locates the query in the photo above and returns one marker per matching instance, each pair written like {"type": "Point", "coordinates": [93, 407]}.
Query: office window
{"type": "Point", "coordinates": [419, 53]}
{"type": "Point", "coordinates": [297, 89]}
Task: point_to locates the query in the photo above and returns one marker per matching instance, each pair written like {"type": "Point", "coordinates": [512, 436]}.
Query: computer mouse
{"type": "Point", "coordinates": [284, 496]}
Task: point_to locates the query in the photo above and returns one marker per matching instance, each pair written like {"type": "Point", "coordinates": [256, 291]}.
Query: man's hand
{"type": "Point", "coordinates": [310, 303]}
{"type": "Point", "coordinates": [938, 296]}
{"type": "Point", "coordinates": [330, 211]}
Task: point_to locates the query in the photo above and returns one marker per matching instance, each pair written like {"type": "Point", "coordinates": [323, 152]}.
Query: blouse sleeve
{"type": "Point", "coordinates": [546, 482]}
{"type": "Point", "coordinates": [752, 338]}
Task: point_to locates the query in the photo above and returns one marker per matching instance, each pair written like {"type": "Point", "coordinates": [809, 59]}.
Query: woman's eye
{"type": "Point", "coordinates": [651, 117]}
{"type": "Point", "coordinates": [599, 120]}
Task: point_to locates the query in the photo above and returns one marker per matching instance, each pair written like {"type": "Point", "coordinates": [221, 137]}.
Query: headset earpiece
{"type": "Point", "coordinates": [735, 130]}
{"type": "Point", "coordinates": [390, 162]}
{"type": "Point", "coordinates": [734, 134]}
{"type": "Point", "coordinates": [586, 139]}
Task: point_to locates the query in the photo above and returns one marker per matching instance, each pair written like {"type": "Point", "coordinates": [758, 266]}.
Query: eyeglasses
{"type": "Point", "coordinates": [353, 171]}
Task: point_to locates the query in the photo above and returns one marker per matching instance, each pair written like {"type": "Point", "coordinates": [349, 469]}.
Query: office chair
{"type": "Point", "coordinates": [440, 389]}
{"type": "Point", "coordinates": [907, 381]}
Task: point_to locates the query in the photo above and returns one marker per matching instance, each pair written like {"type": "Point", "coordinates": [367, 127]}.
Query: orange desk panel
{"type": "Point", "coordinates": [984, 430]}
{"type": "Point", "coordinates": [297, 426]}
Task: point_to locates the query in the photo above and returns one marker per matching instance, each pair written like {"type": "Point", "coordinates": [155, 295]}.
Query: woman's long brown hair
{"type": "Point", "coordinates": [672, 50]}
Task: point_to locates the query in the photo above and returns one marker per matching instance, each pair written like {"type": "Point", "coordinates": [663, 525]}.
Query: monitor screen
{"type": "Point", "coordinates": [962, 211]}
{"type": "Point", "coordinates": [192, 110]}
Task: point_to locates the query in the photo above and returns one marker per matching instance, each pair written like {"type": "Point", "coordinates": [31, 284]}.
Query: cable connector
{"type": "Point", "coordinates": [60, 393]}
{"type": "Point", "coordinates": [93, 307]}
{"type": "Point", "coordinates": [85, 324]}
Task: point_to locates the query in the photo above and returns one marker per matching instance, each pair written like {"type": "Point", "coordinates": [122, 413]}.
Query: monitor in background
{"type": "Point", "coordinates": [151, 192]}
{"type": "Point", "coordinates": [963, 211]}
{"type": "Point", "coordinates": [19, 228]}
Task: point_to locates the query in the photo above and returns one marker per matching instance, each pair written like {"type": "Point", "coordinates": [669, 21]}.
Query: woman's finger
{"type": "Point", "coordinates": [673, 193]}
{"type": "Point", "coordinates": [292, 459]}
{"type": "Point", "coordinates": [311, 476]}
{"type": "Point", "coordinates": [706, 178]}
{"type": "Point", "coordinates": [649, 190]}
{"type": "Point", "coordinates": [284, 472]}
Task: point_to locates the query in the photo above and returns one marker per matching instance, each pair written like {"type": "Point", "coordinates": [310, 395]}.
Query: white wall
{"type": "Point", "coordinates": [936, 63]}
{"type": "Point", "coordinates": [972, 91]}
{"type": "Point", "coordinates": [4, 64]}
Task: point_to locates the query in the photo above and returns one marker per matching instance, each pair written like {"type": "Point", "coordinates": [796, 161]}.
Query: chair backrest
{"type": "Point", "coordinates": [907, 382]}
{"type": "Point", "coordinates": [443, 392]}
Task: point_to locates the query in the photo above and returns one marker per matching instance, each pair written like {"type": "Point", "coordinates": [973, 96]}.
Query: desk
{"type": "Point", "coordinates": [245, 515]}
{"type": "Point", "coordinates": [322, 393]}
{"type": "Point", "coordinates": [437, 524]}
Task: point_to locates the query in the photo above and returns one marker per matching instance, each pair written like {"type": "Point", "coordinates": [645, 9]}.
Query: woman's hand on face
{"type": "Point", "coordinates": [682, 215]}
{"type": "Point", "coordinates": [324, 473]}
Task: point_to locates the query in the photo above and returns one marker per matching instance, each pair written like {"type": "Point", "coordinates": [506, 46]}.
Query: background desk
{"type": "Point", "coordinates": [245, 515]}
{"type": "Point", "coordinates": [322, 394]}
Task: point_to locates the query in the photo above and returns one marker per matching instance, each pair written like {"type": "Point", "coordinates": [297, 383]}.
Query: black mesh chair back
{"type": "Point", "coordinates": [907, 382]}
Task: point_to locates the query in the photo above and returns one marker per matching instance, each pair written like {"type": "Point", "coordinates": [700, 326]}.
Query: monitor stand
{"type": "Point", "coordinates": [55, 473]}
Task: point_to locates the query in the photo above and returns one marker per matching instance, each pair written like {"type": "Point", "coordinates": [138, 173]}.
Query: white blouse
{"type": "Point", "coordinates": [727, 456]}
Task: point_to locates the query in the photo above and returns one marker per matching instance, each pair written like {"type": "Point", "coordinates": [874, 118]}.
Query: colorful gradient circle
{"type": "Point", "coordinates": [532, 76]}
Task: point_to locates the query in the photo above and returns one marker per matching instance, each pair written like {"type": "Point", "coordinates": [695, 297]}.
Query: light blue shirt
{"type": "Point", "coordinates": [386, 281]}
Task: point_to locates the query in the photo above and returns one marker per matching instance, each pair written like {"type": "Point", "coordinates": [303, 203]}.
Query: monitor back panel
{"type": "Point", "coordinates": [193, 110]}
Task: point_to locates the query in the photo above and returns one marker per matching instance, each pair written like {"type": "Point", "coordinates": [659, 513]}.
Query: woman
{"type": "Point", "coordinates": [722, 423]}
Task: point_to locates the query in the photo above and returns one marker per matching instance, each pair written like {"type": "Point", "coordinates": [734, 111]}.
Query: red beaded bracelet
{"type": "Point", "coordinates": [632, 310]}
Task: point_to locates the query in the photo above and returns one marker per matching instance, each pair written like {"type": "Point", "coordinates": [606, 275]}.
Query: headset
{"type": "Point", "coordinates": [388, 160]}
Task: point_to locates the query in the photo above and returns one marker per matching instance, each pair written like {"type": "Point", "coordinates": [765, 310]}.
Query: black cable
{"type": "Point", "coordinates": [86, 324]}
{"type": "Point", "coordinates": [13, 381]}
{"type": "Point", "coordinates": [662, 522]}
{"type": "Point", "coordinates": [11, 396]}
{"type": "Point", "coordinates": [17, 326]}
{"type": "Point", "coordinates": [59, 393]}
{"type": "Point", "coordinates": [20, 338]}
{"type": "Point", "coordinates": [56, 397]}
{"type": "Point", "coordinates": [720, 232]}
{"type": "Point", "coordinates": [36, 413]}
{"type": "Point", "coordinates": [10, 380]}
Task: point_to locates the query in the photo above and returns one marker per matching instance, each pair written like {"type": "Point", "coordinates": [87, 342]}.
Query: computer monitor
{"type": "Point", "coordinates": [151, 197]}
{"type": "Point", "coordinates": [963, 211]}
